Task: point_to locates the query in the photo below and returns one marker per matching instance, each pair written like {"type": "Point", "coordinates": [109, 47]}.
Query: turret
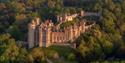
{"type": "Point", "coordinates": [37, 21]}
{"type": "Point", "coordinates": [71, 33]}
{"type": "Point", "coordinates": [82, 13]}
{"type": "Point", "coordinates": [40, 36]}
{"type": "Point", "coordinates": [31, 31]}
{"type": "Point", "coordinates": [48, 36]}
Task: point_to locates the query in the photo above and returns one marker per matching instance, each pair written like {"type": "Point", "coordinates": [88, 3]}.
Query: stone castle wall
{"type": "Point", "coordinates": [46, 34]}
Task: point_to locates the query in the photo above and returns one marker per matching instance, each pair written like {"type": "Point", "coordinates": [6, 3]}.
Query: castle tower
{"type": "Point", "coordinates": [31, 33]}
{"type": "Point", "coordinates": [82, 13]}
{"type": "Point", "coordinates": [71, 34]}
{"type": "Point", "coordinates": [37, 21]}
{"type": "Point", "coordinates": [67, 34]}
{"type": "Point", "coordinates": [48, 36]}
{"type": "Point", "coordinates": [40, 36]}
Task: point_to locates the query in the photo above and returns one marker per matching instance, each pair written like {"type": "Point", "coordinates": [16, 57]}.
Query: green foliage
{"type": "Point", "coordinates": [105, 41]}
{"type": "Point", "coordinates": [66, 50]}
{"type": "Point", "coordinates": [71, 57]}
{"type": "Point", "coordinates": [9, 51]}
{"type": "Point", "coordinates": [68, 23]}
{"type": "Point", "coordinates": [15, 31]}
{"type": "Point", "coordinates": [97, 45]}
{"type": "Point", "coordinates": [54, 54]}
{"type": "Point", "coordinates": [60, 54]}
{"type": "Point", "coordinates": [37, 55]}
{"type": "Point", "coordinates": [36, 4]}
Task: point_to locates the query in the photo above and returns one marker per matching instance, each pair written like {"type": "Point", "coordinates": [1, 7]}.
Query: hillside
{"type": "Point", "coordinates": [105, 42]}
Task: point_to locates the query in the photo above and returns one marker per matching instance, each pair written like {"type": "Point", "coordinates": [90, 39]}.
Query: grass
{"type": "Point", "coordinates": [63, 52]}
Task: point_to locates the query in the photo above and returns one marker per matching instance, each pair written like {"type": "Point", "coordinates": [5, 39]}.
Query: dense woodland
{"type": "Point", "coordinates": [104, 43]}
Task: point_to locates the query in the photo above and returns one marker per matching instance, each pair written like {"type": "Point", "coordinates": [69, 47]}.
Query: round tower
{"type": "Point", "coordinates": [71, 33]}
{"type": "Point", "coordinates": [37, 21]}
{"type": "Point", "coordinates": [48, 36]}
{"type": "Point", "coordinates": [40, 36]}
{"type": "Point", "coordinates": [31, 33]}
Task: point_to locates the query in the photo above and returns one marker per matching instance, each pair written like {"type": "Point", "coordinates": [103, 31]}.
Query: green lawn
{"type": "Point", "coordinates": [63, 54]}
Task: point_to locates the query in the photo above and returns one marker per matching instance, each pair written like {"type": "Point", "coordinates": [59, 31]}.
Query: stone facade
{"type": "Point", "coordinates": [46, 33]}
{"type": "Point", "coordinates": [69, 17]}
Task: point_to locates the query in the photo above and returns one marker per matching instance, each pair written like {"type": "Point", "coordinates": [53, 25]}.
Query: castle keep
{"type": "Point", "coordinates": [44, 34]}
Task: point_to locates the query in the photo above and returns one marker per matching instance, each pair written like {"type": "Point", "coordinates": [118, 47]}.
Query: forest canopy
{"type": "Point", "coordinates": [104, 42]}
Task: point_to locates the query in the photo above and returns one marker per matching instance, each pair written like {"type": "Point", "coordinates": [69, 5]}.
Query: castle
{"type": "Point", "coordinates": [44, 34]}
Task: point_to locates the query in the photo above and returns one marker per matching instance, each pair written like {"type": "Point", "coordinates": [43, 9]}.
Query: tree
{"type": "Point", "coordinates": [22, 57]}
{"type": "Point", "coordinates": [35, 3]}
{"type": "Point", "coordinates": [15, 32]}
{"type": "Point", "coordinates": [9, 49]}
{"type": "Point", "coordinates": [37, 55]}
